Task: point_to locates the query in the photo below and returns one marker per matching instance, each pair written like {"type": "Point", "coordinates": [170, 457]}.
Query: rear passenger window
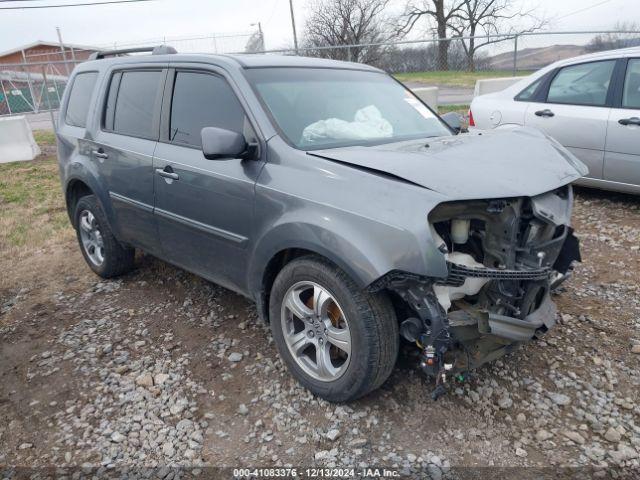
{"type": "Point", "coordinates": [631, 92]}
{"type": "Point", "coordinates": [584, 84]}
{"type": "Point", "coordinates": [80, 98]}
{"type": "Point", "coordinates": [202, 100]}
{"type": "Point", "coordinates": [133, 96]}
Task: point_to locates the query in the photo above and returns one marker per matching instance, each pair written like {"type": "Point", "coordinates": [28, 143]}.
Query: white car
{"type": "Point", "coordinates": [590, 104]}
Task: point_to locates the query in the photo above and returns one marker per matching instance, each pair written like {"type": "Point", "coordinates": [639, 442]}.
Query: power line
{"type": "Point", "coordinates": [583, 9]}
{"type": "Point", "coordinates": [72, 4]}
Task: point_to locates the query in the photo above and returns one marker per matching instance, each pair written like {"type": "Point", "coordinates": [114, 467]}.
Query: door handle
{"type": "Point", "coordinates": [629, 121]}
{"type": "Point", "coordinates": [167, 172]}
{"type": "Point", "coordinates": [545, 113]}
{"type": "Point", "coordinates": [99, 153]}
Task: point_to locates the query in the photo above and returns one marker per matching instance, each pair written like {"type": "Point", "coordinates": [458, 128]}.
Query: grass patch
{"type": "Point", "coordinates": [462, 109]}
{"type": "Point", "coordinates": [32, 210]}
{"type": "Point", "coordinates": [454, 78]}
{"type": "Point", "coordinates": [44, 138]}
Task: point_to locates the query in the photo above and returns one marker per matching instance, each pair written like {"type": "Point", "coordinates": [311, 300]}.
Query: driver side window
{"type": "Point", "coordinates": [584, 84]}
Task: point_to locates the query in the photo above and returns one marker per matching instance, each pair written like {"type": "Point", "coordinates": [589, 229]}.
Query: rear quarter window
{"type": "Point", "coordinates": [80, 99]}
{"type": "Point", "coordinates": [527, 94]}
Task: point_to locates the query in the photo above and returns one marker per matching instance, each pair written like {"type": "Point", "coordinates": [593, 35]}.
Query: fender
{"type": "Point", "coordinates": [77, 171]}
{"type": "Point", "coordinates": [364, 249]}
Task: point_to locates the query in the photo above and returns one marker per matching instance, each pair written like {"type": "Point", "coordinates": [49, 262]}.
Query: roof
{"type": "Point", "coordinates": [44, 43]}
{"type": "Point", "coordinates": [249, 60]}
{"type": "Point", "coordinates": [256, 60]}
{"type": "Point", "coordinates": [621, 52]}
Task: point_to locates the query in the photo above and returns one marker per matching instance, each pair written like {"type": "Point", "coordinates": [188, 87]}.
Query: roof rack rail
{"type": "Point", "coordinates": [157, 50]}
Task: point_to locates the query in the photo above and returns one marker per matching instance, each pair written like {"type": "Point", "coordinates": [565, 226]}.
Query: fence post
{"type": "Point", "coordinates": [515, 55]}
{"type": "Point", "coordinates": [25, 69]}
{"type": "Point", "coordinates": [46, 92]}
{"type": "Point", "coordinates": [6, 98]}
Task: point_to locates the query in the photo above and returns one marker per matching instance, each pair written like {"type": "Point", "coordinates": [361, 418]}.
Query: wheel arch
{"type": "Point", "coordinates": [82, 184]}
{"type": "Point", "coordinates": [76, 189]}
{"type": "Point", "coordinates": [363, 262]}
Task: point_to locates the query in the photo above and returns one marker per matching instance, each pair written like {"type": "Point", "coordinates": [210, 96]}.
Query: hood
{"type": "Point", "coordinates": [489, 164]}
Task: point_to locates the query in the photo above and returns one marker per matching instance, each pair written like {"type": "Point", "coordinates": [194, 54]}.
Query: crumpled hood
{"type": "Point", "coordinates": [487, 164]}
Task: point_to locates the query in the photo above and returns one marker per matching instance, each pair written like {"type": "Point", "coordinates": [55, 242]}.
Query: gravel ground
{"type": "Point", "coordinates": [162, 369]}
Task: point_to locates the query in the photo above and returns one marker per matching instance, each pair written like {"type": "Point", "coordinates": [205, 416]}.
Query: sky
{"type": "Point", "coordinates": [121, 24]}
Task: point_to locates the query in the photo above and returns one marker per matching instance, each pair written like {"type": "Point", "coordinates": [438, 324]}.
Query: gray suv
{"type": "Point", "coordinates": [330, 195]}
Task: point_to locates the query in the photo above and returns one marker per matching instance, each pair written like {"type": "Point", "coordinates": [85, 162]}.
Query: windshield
{"type": "Point", "coordinates": [320, 108]}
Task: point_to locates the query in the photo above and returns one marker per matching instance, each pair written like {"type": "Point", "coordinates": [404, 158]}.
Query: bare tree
{"type": "Point", "coordinates": [617, 39]}
{"type": "Point", "coordinates": [438, 12]}
{"type": "Point", "coordinates": [347, 22]}
{"type": "Point", "coordinates": [491, 17]}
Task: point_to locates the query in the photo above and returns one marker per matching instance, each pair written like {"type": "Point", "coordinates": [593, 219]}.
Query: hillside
{"type": "Point", "coordinates": [535, 58]}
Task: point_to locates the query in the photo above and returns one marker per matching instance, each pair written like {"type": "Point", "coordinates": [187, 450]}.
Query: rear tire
{"type": "Point", "coordinates": [368, 319]}
{"type": "Point", "coordinates": [103, 253]}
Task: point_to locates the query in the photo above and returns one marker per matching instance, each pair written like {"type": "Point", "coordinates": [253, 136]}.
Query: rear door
{"type": "Point", "coordinates": [204, 208]}
{"type": "Point", "coordinates": [622, 156]}
{"type": "Point", "coordinates": [124, 147]}
{"type": "Point", "coordinates": [575, 110]}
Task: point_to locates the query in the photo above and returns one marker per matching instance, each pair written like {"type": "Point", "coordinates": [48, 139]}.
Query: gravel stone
{"type": "Point", "coordinates": [612, 435]}
{"type": "Point", "coordinates": [560, 399]}
{"type": "Point", "coordinates": [235, 357]}
{"type": "Point", "coordinates": [333, 434]}
{"type": "Point", "coordinates": [521, 452]}
{"type": "Point", "coordinates": [574, 436]}
{"type": "Point", "coordinates": [542, 435]}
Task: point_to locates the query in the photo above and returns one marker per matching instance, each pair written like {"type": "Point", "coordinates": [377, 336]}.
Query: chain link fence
{"type": "Point", "coordinates": [33, 87]}
{"type": "Point", "coordinates": [37, 84]}
{"type": "Point", "coordinates": [213, 43]}
{"type": "Point", "coordinates": [509, 53]}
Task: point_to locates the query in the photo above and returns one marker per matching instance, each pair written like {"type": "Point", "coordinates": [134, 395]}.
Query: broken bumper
{"type": "Point", "coordinates": [520, 330]}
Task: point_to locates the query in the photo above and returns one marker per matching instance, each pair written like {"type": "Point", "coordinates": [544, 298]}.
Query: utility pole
{"type": "Point", "coordinates": [293, 25]}
{"type": "Point", "coordinates": [260, 47]}
{"type": "Point", "coordinates": [62, 49]}
{"type": "Point", "coordinates": [261, 37]}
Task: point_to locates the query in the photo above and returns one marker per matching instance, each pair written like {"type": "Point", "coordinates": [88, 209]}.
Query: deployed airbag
{"type": "Point", "coordinates": [367, 123]}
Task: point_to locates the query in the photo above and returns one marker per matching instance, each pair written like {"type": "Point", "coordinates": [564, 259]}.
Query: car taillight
{"type": "Point", "coordinates": [471, 122]}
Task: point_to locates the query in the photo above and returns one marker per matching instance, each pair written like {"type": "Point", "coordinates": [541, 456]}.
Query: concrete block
{"type": "Point", "coordinates": [490, 85]}
{"type": "Point", "coordinates": [16, 140]}
{"type": "Point", "coordinates": [428, 95]}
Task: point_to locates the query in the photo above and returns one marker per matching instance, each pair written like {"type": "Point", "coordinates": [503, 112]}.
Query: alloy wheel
{"type": "Point", "coordinates": [316, 331]}
{"type": "Point", "coordinates": [92, 241]}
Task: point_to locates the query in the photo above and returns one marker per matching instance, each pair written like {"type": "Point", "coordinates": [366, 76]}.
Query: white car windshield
{"type": "Point", "coordinates": [322, 108]}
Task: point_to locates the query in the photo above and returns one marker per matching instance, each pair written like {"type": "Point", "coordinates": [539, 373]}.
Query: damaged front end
{"type": "Point", "coordinates": [503, 257]}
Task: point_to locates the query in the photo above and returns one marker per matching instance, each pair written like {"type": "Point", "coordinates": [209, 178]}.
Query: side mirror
{"type": "Point", "coordinates": [453, 120]}
{"type": "Point", "coordinates": [218, 143]}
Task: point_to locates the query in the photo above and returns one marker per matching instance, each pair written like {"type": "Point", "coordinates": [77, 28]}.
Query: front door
{"type": "Point", "coordinates": [204, 208]}
{"type": "Point", "coordinates": [622, 156]}
{"type": "Point", "coordinates": [576, 111]}
{"type": "Point", "coordinates": [123, 151]}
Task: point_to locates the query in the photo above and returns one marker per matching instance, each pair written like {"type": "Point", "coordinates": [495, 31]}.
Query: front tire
{"type": "Point", "coordinates": [103, 253]}
{"type": "Point", "coordinates": [338, 341]}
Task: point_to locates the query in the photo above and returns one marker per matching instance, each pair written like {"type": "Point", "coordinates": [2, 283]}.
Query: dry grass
{"type": "Point", "coordinates": [45, 138]}
{"type": "Point", "coordinates": [32, 210]}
